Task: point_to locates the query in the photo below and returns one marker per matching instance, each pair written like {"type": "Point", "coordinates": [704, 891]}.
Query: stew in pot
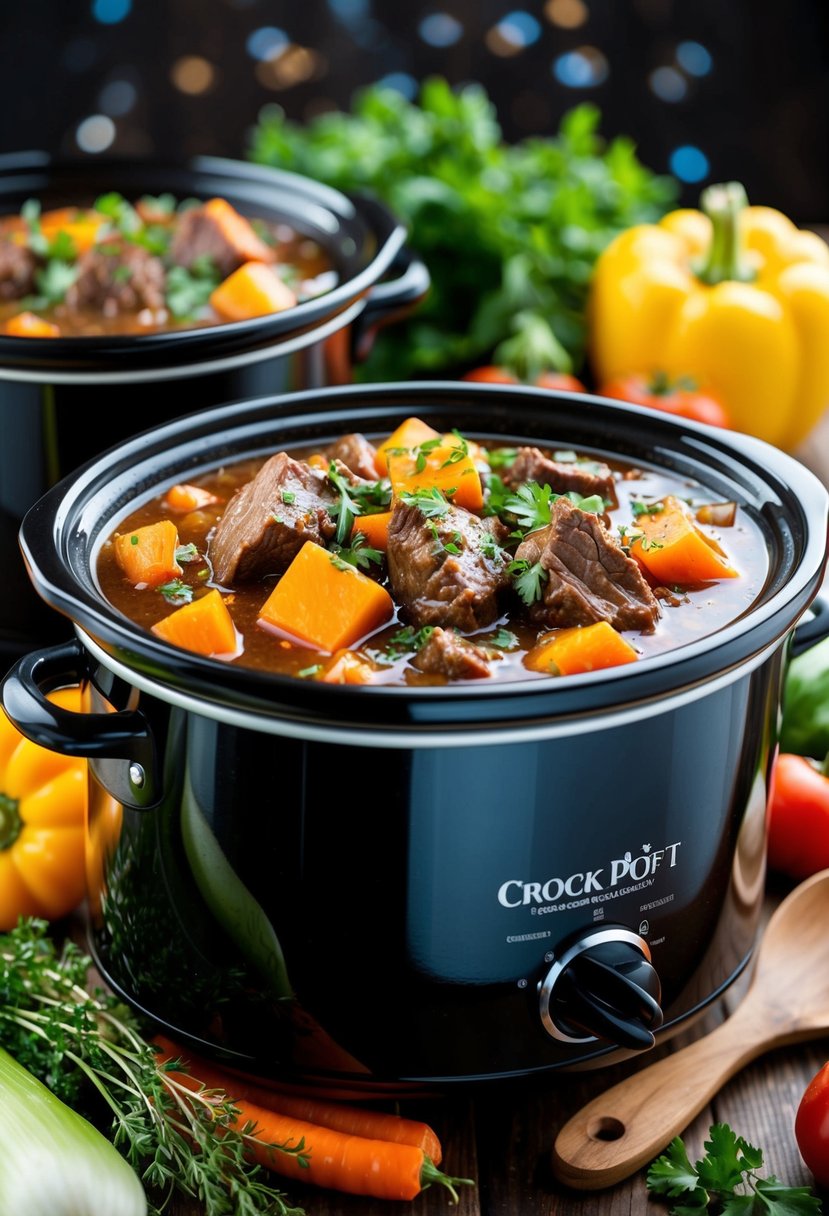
{"type": "Point", "coordinates": [119, 268]}
{"type": "Point", "coordinates": [428, 558]}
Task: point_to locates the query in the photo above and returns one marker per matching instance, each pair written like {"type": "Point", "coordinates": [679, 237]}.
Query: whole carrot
{"type": "Point", "coordinates": [375, 1125]}
{"type": "Point", "coordinates": [324, 1157]}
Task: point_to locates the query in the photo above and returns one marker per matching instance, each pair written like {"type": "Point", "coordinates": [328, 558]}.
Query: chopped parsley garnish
{"type": "Point", "coordinates": [159, 204]}
{"type": "Point", "coordinates": [288, 497]}
{"type": "Point", "coordinates": [121, 214]}
{"type": "Point", "coordinates": [500, 458]}
{"type": "Point", "coordinates": [431, 503]}
{"type": "Point", "coordinates": [504, 639]}
{"type": "Point", "coordinates": [187, 553]}
{"type": "Point", "coordinates": [408, 640]}
{"type": "Point", "coordinates": [454, 544]}
{"type": "Point", "coordinates": [310, 671]}
{"type": "Point", "coordinates": [531, 505]}
{"type": "Point", "coordinates": [594, 504]}
{"type": "Point", "coordinates": [338, 562]}
{"type": "Point", "coordinates": [423, 450]}
{"type": "Point", "coordinates": [359, 553]}
{"type": "Point", "coordinates": [645, 508]}
{"type": "Point", "coordinates": [53, 281]}
{"type": "Point", "coordinates": [725, 1180]}
{"type": "Point", "coordinates": [491, 550]}
{"type": "Point", "coordinates": [528, 580]}
{"type": "Point", "coordinates": [346, 510]}
{"type": "Point", "coordinates": [133, 540]}
{"type": "Point", "coordinates": [188, 291]}
{"type": "Point", "coordinates": [176, 592]}
{"type": "Point", "coordinates": [373, 497]}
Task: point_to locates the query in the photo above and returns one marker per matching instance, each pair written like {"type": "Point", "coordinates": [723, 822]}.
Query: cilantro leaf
{"type": "Point", "coordinates": [780, 1200]}
{"type": "Point", "coordinates": [359, 553]}
{"type": "Point", "coordinates": [528, 580]}
{"type": "Point", "coordinates": [346, 509]}
{"type": "Point", "coordinates": [188, 291]}
{"type": "Point", "coordinates": [431, 503]}
{"type": "Point", "coordinates": [176, 592]}
{"type": "Point", "coordinates": [672, 1173]}
{"type": "Point", "coordinates": [531, 504]}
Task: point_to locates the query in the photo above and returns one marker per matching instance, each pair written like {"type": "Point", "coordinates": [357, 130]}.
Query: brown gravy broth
{"type": "Point", "coordinates": [692, 613]}
{"type": "Point", "coordinates": [299, 261]}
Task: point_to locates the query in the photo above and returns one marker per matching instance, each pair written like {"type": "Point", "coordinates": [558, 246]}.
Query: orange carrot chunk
{"type": "Point", "coordinates": [83, 227]}
{"type": "Point", "coordinates": [30, 325]}
{"type": "Point", "coordinates": [447, 467]}
{"type": "Point", "coordinates": [675, 550]}
{"type": "Point", "coordinates": [408, 435]}
{"type": "Point", "coordinates": [375, 528]}
{"type": "Point", "coordinates": [204, 626]}
{"type": "Point", "coordinates": [323, 600]}
{"type": "Point", "coordinates": [254, 290]}
{"type": "Point", "coordinates": [583, 648]}
{"type": "Point", "coordinates": [148, 555]}
{"type": "Point", "coordinates": [354, 1120]}
{"type": "Point", "coordinates": [185, 497]}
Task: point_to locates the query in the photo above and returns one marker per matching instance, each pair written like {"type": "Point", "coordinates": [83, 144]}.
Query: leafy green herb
{"type": "Point", "coordinates": [187, 553]}
{"type": "Point", "coordinates": [594, 504]}
{"type": "Point", "coordinates": [188, 291]}
{"type": "Point", "coordinates": [645, 508]}
{"type": "Point", "coordinates": [531, 504]}
{"type": "Point", "coordinates": [510, 232]}
{"type": "Point", "coordinates": [310, 671]}
{"type": "Point", "coordinates": [725, 1181]}
{"type": "Point", "coordinates": [133, 540]}
{"type": "Point", "coordinates": [408, 640]}
{"type": "Point", "coordinates": [53, 281]}
{"type": "Point", "coordinates": [176, 592]}
{"type": "Point", "coordinates": [338, 562]}
{"type": "Point", "coordinates": [423, 450]}
{"type": "Point", "coordinates": [490, 548]}
{"type": "Point", "coordinates": [122, 215]}
{"type": "Point", "coordinates": [89, 1046]}
{"type": "Point", "coordinates": [159, 204]}
{"type": "Point", "coordinates": [288, 497]}
{"type": "Point", "coordinates": [504, 639]}
{"type": "Point", "coordinates": [374, 496]}
{"type": "Point", "coordinates": [359, 553]}
{"type": "Point", "coordinates": [346, 509]}
{"type": "Point", "coordinates": [431, 503]}
{"type": "Point", "coordinates": [454, 545]}
{"type": "Point", "coordinates": [500, 458]}
{"type": "Point", "coordinates": [528, 580]}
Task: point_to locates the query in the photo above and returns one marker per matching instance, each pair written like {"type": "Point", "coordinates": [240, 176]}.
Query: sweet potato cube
{"type": "Point", "coordinates": [204, 626]}
{"type": "Point", "coordinates": [30, 325]}
{"type": "Point", "coordinates": [675, 551]}
{"type": "Point", "coordinates": [408, 435]}
{"type": "Point", "coordinates": [323, 600]}
{"type": "Point", "coordinates": [446, 467]}
{"type": "Point", "coordinates": [583, 648]}
{"type": "Point", "coordinates": [148, 555]}
{"type": "Point", "coordinates": [375, 528]}
{"type": "Point", "coordinates": [185, 498]}
{"type": "Point", "coordinates": [83, 227]}
{"type": "Point", "coordinates": [254, 290]}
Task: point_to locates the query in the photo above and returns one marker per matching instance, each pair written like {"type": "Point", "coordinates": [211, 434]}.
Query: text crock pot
{"type": "Point", "coordinates": [393, 884]}
{"type": "Point", "coordinates": [63, 400]}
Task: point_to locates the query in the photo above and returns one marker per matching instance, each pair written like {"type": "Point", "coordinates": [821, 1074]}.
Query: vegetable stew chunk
{"type": "Point", "coordinates": [448, 569]}
{"type": "Point", "coordinates": [218, 232]}
{"type": "Point", "coordinates": [357, 454]}
{"type": "Point", "coordinates": [17, 270]}
{"type": "Point", "coordinates": [446, 654]}
{"type": "Point", "coordinates": [269, 519]}
{"type": "Point", "coordinates": [118, 276]}
{"type": "Point", "coordinates": [584, 478]}
{"type": "Point", "coordinates": [589, 576]}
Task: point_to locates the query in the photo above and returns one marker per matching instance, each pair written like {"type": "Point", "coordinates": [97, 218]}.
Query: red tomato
{"type": "Point", "coordinates": [798, 818]}
{"type": "Point", "coordinates": [811, 1126]}
{"type": "Point", "coordinates": [679, 397]}
{"type": "Point", "coordinates": [502, 375]}
{"type": "Point", "coordinates": [559, 380]}
{"type": "Point", "coordinates": [492, 375]}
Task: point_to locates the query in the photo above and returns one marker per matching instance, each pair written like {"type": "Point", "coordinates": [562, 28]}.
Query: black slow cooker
{"type": "Point", "coordinates": [63, 400]}
{"type": "Point", "coordinates": [393, 885]}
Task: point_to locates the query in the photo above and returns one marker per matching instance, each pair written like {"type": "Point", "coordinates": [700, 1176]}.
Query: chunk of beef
{"type": "Point", "coordinates": [561, 476]}
{"type": "Point", "coordinates": [456, 586]}
{"type": "Point", "coordinates": [357, 454]}
{"type": "Point", "coordinates": [117, 276]}
{"type": "Point", "coordinates": [268, 521]}
{"type": "Point", "coordinates": [217, 231]}
{"type": "Point", "coordinates": [17, 270]}
{"type": "Point", "coordinates": [447, 654]}
{"type": "Point", "coordinates": [589, 576]}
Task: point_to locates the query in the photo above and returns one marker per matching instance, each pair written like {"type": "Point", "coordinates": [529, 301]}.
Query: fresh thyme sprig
{"type": "Point", "coordinates": [83, 1043]}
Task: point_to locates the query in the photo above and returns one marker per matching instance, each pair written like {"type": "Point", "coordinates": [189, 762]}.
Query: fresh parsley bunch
{"type": "Point", "coordinates": [725, 1181]}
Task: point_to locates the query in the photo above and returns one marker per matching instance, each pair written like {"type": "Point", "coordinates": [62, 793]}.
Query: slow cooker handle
{"type": "Point", "coordinates": [121, 741]}
{"type": "Point", "coordinates": [813, 626]}
{"type": "Point", "coordinates": [390, 300]}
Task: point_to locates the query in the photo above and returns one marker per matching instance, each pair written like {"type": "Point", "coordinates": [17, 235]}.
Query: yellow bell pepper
{"type": "Point", "coordinates": [734, 296]}
{"type": "Point", "coordinates": [42, 810]}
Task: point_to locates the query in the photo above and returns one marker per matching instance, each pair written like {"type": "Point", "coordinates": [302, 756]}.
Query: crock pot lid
{"type": "Point", "coordinates": [61, 535]}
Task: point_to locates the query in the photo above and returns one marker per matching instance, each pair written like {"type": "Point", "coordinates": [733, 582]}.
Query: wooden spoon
{"type": "Point", "coordinates": [788, 1001]}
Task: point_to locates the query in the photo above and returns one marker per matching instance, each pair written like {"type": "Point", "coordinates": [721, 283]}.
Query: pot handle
{"type": "Point", "coordinates": [813, 627]}
{"type": "Point", "coordinates": [390, 300]}
{"type": "Point", "coordinates": [109, 739]}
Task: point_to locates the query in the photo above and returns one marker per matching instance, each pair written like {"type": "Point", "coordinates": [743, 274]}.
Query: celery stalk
{"type": "Point", "coordinates": [53, 1162]}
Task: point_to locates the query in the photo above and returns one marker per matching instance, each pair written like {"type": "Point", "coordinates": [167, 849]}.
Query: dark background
{"type": "Point", "coordinates": [743, 84]}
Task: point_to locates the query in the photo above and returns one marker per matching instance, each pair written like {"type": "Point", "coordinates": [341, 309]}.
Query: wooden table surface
{"type": "Point", "coordinates": [502, 1136]}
